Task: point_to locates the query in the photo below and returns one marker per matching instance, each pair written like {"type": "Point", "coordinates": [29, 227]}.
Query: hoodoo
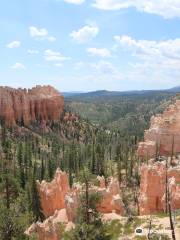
{"type": "Point", "coordinates": [40, 104]}
{"type": "Point", "coordinates": [153, 187]}
{"type": "Point", "coordinates": [60, 203]}
{"type": "Point", "coordinates": [163, 136]}
{"type": "Point", "coordinates": [162, 168]}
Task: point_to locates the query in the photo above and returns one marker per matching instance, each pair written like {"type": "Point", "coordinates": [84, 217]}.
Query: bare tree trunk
{"type": "Point", "coordinates": [7, 192]}
{"type": "Point", "coordinates": [87, 199]}
{"type": "Point", "coordinates": [149, 231]}
{"type": "Point", "coordinates": [170, 216]}
{"type": "Point", "coordinates": [157, 151]}
{"type": "Point", "coordinates": [166, 189]}
{"type": "Point", "coordinates": [136, 199]}
{"type": "Point", "coordinates": [172, 149]}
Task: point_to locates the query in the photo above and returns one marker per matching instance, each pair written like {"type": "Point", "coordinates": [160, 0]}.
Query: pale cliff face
{"type": "Point", "coordinates": [162, 138]}
{"type": "Point", "coordinates": [163, 134]}
{"type": "Point", "coordinates": [153, 187]}
{"type": "Point", "coordinates": [39, 104]}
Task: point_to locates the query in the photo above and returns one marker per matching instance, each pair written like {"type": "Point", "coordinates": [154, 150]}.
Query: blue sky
{"type": "Point", "coordinates": [86, 45]}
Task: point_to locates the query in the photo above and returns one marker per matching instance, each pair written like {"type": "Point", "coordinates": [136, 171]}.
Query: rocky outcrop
{"type": "Point", "coordinates": [153, 187]}
{"type": "Point", "coordinates": [21, 106]}
{"type": "Point", "coordinates": [52, 227]}
{"type": "Point", "coordinates": [56, 195]}
{"type": "Point", "coordinates": [111, 197]}
{"type": "Point", "coordinates": [162, 139]}
{"type": "Point", "coordinates": [174, 186]}
{"type": "Point", "coordinates": [163, 136]}
{"type": "Point", "coordinates": [53, 193]}
{"type": "Point", "coordinates": [60, 203]}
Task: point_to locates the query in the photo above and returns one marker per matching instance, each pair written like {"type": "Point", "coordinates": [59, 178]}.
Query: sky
{"type": "Point", "coordinates": [87, 45]}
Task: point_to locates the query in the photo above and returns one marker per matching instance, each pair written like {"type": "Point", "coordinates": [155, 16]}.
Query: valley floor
{"type": "Point", "coordinates": [127, 231]}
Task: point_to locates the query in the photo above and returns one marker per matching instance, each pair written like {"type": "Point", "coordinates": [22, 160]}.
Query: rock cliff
{"type": "Point", "coordinates": [21, 106]}
{"type": "Point", "coordinates": [153, 187]}
{"type": "Point", "coordinates": [163, 136]}
{"type": "Point", "coordinates": [53, 193]}
{"type": "Point", "coordinates": [162, 139]}
{"type": "Point", "coordinates": [57, 194]}
{"type": "Point", "coordinates": [60, 203]}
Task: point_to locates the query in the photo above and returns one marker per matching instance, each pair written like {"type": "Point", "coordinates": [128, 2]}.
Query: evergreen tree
{"type": "Point", "coordinates": [35, 199]}
{"type": "Point", "coordinates": [89, 225]}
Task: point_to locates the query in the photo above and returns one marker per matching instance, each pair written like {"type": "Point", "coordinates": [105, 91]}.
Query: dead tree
{"type": "Point", "coordinates": [172, 149]}
{"type": "Point", "coordinates": [149, 230]}
{"type": "Point", "coordinates": [170, 215]}
{"type": "Point", "coordinates": [166, 187]}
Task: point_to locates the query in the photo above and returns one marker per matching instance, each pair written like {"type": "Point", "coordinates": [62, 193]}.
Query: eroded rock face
{"type": "Point", "coordinates": [60, 203]}
{"type": "Point", "coordinates": [111, 199]}
{"type": "Point", "coordinates": [51, 228]}
{"type": "Point", "coordinates": [56, 195]}
{"type": "Point", "coordinates": [153, 187]}
{"type": "Point", "coordinates": [22, 106]}
{"type": "Point", "coordinates": [163, 136]}
{"type": "Point", "coordinates": [53, 193]}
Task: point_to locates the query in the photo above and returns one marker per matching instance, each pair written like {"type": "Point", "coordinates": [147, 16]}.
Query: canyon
{"type": "Point", "coordinates": [60, 201]}
{"type": "Point", "coordinates": [41, 104]}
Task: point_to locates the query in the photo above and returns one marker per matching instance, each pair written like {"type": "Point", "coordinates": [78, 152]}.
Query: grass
{"type": "Point", "coordinates": [162, 215]}
{"type": "Point", "coordinates": [140, 238]}
{"type": "Point", "coordinates": [115, 228]}
{"type": "Point", "coordinates": [130, 227]}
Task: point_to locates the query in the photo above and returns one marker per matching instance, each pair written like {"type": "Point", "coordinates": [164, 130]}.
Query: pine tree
{"type": "Point", "coordinates": [35, 198]}
{"type": "Point", "coordinates": [89, 225]}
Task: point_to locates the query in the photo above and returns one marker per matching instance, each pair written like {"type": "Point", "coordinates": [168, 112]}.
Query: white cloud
{"type": "Point", "coordinates": [78, 65]}
{"type": "Point", "coordinates": [14, 44]}
{"type": "Point", "coordinates": [58, 64]}
{"type": "Point", "coordinates": [32, 51]}
{"type": "Point", "coordinates": [18, 66]}
{"type": "Point", "coordinates": [53, 56]}
{"type": "Point", "coordinates": [85, 34]}
{"type": "Point", "coordinates": [100, 52]}
{"type": "Point", "coordinates": [154, 59]}
{"type": "Point", "coordinates": [41, 34]}
{"type": "Point", "coordinates": [35, 32]}
{"type": "Point", "coordinates": [105, 68]}
{"type": "Point", "coordinates": [168, 49]}
{"type": "Point", "coordinates": [77, 2]}
{"type": "Point", "coordinates": [51, 39]}
{"type": "Point", "coordinates": [165, 8]}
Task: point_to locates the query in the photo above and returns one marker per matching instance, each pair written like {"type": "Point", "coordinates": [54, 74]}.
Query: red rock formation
{"type": "Point", "coordinates": [50, 229]}
{"type": "Point", "coordinates": [175, 193]}
{"type": "Point", "coordinates": [72, 202]}
{"type": "Point", "coordinates": [22, 106]}
{"type": "Point", "coordinates": [60, 203]}
{"type": "Point", "coordinates": [153, 187]}
{"type": "Point", "coordinates": [56, 195]}
{"type": "Point", "coordinates": [111, 199]}
{"type": "Point", "coordinates": [163, 134]}
{"type": "Point", "coordinates": [53, 193]}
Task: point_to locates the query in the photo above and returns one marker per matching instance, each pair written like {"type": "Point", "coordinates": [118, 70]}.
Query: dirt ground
{"type": "Point", "coordinates": [160, 225]}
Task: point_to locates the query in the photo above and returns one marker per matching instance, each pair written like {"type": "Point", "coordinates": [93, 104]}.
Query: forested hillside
{"type": "Point", "coordinates": [127, 113]}
{"type": "Point", "coordinates": [103, 139]}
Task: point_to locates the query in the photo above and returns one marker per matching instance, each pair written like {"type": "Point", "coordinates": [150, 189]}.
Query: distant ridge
{"type": "Point", "coordinates": [174, 89]}
{"type": "Point", "coordinates": [103, 93]}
